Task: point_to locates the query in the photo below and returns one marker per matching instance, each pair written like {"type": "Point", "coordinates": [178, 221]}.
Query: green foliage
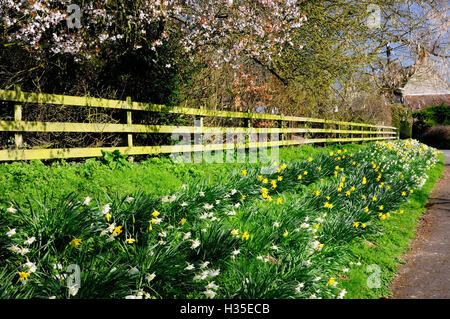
{"type": "Point", "coordinates": [292, 237]}
{"type": "Point", "coordinates": [114, 159]}
{"type": "Point", "coordinates": [431, 126]}
{"type": "Point", "coordinates": [429, 117]}
{"type": "Point", "coordinates": [402, 119]}
{"type": "Point", "coordinates": [390, 245]}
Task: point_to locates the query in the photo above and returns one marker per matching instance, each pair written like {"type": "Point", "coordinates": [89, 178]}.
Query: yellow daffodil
{"type": "Point", "coordinates": [24, 276]}
{"type": "Point", "coordinates": [117, 231]}
{"type": "Point", "coordinates": [108, 216]}
{"type": "Point", "coordinates": [75, 242]}
{"type": "Point", "coordinates": [130, 241]}
{"type": "Point", "coordinates": [244, 172]}
{"type": "Point", "coordinates": [279, 200]}
{"type": "Point", "coordinates": [286, 233]}
{"type": "Point", "coordinates": [331, 281]}
{"type": "Point", "coordinates": [155, 214]}
{"type": "Point", "coordinates": [245, 235]}
{"type": "Point", "coordinates": [183, 221]}
{"type": "Point", "coordinates": [355, 224]}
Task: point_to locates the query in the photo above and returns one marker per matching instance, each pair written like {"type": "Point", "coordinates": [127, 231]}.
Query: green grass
{"type": "Point", "coordinates": [290, 233]}
{"type": "Point", "coordinates": [157, 175]}
{"type": "Point", "coordinates": [390, 245]}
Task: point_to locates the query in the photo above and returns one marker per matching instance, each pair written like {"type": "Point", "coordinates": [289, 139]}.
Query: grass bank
{"type": "Point", "coordinates": [379, 254]}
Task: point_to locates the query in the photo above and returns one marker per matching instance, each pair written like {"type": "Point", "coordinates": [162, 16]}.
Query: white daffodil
{"type": "Point", "coordinates": [133, 271]}
{"type": "Point", "coordinates": [105, 209]}
{"type": "Point", "coordinates": [183, 204]}
{"type": "Point", "coordinates": [214, 273]}
{"type": "Point", "coordinates": [189, 267]}
{"type": "Point", "coordinates": [276, 224]}
{"type": "Point", "coordinates": [236, 252]}
{"type": "Point", "coordinates": [30, 240]}
{"type": "Point", "coordinates": [342, 293]}
{"type": "Point", "coordinates": [150, 277]}
{"type": "Point", "coordinates": [11, 232]}
{"type": "Point", "coordinates": [162, 234]}
{"type": "Point", "coordinates": [204, 265]}
{"type": "Point", "coordinates": [212, 286]}
{"type": "Point", "coordinates": [231, 213]}
{"type": "Point", "coordinates": [57, 266]}
{"type": "Point", "coordinates": [187, 235]}
{"type": "Point", "coordinates": [11, 210]}
{"type": "Point", "coordinates": [233, 191]}
{"type": "Point", "coordinates": [208, 206]}
{"type": "Point", "coordinates": [73, 290]}
{"type": "Point", "coordinates": [87, 201]}
{"type": "Point", "coordinates": [24, 251]}
{"type": "Point", "coordinates": [299, 287]}
{"type": "Point", "coordinates": [195, 243]}
{"type": "Point", "coordinates": [210, 293]}
{"type": "Point", "coordinates": [15, 249]}
{"type": "Point", "coordinates": [129, 199]}
{"type": "Point", "coordinates": [31, 266]}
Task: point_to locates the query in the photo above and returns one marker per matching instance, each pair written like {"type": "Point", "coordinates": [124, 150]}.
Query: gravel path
{"type": "Point", "coordinates": [426, 273]}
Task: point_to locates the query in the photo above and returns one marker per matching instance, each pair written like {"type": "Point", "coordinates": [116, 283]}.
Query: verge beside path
{"type": "Point", "coordinates": [426, 273]}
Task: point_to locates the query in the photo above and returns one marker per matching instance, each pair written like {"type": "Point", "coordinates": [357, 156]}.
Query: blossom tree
{"type": "Point", "coordinates": [231, 30]}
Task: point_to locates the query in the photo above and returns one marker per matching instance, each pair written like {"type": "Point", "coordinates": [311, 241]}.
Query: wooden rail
{"type": "Point", "coordinates": [368, 132]}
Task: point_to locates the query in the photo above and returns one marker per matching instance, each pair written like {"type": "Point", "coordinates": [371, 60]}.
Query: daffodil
{"type": "Point", "coordinates": [155, 213]}
{"type": "Point", "coordinates": [130, 241]}
{"type": "Point", "coordinates": [117, 231]}
{"type": "Point", "coordinates": [183, 221]}
{"type": "Point", "coordinates": [245, 235]}
{"type": "Point", "coordinates": [24, 276]}
{"type": "Point", "coordinates": [75, 242]}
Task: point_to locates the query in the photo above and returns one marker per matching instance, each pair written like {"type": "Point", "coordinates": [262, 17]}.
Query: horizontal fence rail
{"type": "Point", "coordinates": [367, 132]}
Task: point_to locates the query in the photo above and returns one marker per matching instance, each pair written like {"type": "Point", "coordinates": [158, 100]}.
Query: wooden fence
{"type": "Point", "coordinates": [365, 132]}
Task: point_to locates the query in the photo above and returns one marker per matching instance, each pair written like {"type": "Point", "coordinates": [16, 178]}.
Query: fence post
{"type": "Point", "coordinates": [129, 123]}
{"type": "Point", "coordinates": [198, 136]}
{"type": "Point", "coordinates": [18, 138]}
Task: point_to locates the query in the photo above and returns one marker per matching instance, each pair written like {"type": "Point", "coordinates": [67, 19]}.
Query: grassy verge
{"type": "Point", "coordinates": [388, 246]}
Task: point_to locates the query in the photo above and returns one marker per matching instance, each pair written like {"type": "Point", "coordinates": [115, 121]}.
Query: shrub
{"type": "Point", "coordinates": [429, 117]}
{"type": "Point", "coordinates": [402, 119]}
{"type": "Point", "coordinates": [437, 136]}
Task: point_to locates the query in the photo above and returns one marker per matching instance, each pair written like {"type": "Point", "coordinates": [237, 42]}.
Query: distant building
{"type": "Point", "coordinates": [425, 87]}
